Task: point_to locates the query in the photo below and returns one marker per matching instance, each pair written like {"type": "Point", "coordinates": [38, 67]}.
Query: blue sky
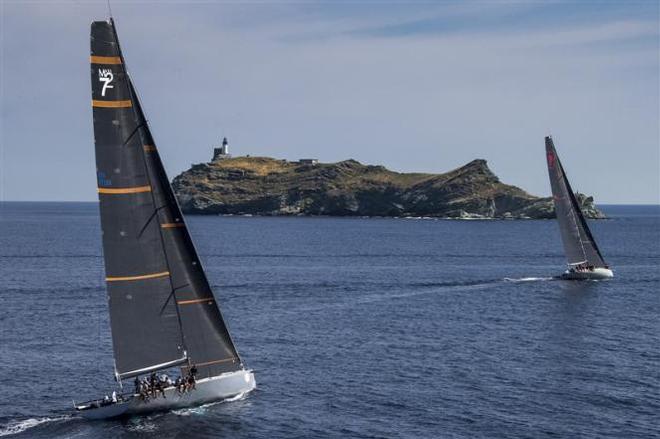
{"type": "Point", "coordinates": [414, 86]}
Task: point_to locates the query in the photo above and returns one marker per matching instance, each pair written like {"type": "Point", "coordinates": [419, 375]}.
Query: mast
{"type": "Point", "coordinates": [579, 245]}
{"type": "Point", "coordinates": [162, 310]}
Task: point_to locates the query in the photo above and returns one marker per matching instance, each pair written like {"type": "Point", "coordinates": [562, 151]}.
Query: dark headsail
{"type": "Point", "coordinates": [579, 244]}
{"type": "Point", "coordinates": [162, 310]}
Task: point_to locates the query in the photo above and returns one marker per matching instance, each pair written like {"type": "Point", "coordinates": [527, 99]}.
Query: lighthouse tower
{"type": "Point", "coordinates": [221, 152]}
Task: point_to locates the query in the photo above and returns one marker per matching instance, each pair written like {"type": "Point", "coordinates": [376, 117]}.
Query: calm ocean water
{"type": "Point", "coordinates": [355, 328]}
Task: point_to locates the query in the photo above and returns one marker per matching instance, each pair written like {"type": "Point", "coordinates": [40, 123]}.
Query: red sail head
{"type": "Point", "coordinates": [551, 159]}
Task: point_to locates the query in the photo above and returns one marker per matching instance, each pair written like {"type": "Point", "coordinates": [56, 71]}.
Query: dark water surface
{"type": "Point", "coordinates": [355, 328]}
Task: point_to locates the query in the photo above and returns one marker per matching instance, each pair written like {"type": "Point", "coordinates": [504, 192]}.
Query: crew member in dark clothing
{"type": "Point", "coordinates": [160, 388]}
{"type": "Point", "coordinates": [152, 384]}
{"type": "Point", "coordinates": [193, 376]}
{"type": "Point", "coordinates": [136, 383]}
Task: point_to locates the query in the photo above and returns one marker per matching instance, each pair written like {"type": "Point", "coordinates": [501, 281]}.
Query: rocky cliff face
{"type": "Point", "coordinates": [266, 186]}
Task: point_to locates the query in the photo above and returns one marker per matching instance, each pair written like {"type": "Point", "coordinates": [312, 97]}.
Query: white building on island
{"type": "Point", "coordinates": [221, 152]}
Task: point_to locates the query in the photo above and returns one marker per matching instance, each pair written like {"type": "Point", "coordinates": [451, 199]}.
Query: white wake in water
{"type": "Point", "coordinates": [527, 279]}
{"type": "Point", "coordinates": [371, 298]}
{"type": "Point", "coordinates": [16, 427]}
{"type": "Point", "coordinates": [202, 408]}
{"type": "Point", "coordinates": [235, 398]}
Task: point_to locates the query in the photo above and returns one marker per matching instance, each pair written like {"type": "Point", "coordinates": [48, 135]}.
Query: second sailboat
{"type": "Point", "coordinates": [584, 258]}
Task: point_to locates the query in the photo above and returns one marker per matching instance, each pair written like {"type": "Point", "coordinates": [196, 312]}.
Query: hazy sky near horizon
{"type": "Point", "coordinates": [414, 86]}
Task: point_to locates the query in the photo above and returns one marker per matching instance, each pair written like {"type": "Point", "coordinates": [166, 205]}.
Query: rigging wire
{"type": "Point", "coordinates": [98, 320]}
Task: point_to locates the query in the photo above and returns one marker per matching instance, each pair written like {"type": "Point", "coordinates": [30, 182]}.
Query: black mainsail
{"type": "Point", "coordinates": [162, 310]}
{"type": "Point", "coordinates": [579, 244]}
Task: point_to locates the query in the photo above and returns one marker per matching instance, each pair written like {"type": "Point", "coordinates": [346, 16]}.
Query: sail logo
{"type": "Point", "coordinates": [106, 77]}
{"type": "Point", "coordinates": [551, 159]}
{"type": "Point", "coordinates": [103, 180]}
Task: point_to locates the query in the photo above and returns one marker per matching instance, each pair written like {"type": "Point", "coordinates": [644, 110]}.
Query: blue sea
{"type": "Point", "coordinates": [356, 328]}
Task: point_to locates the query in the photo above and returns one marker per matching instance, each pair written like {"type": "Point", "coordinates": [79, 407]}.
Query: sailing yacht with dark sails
{"type": "Point", "coordinates": [584, 258]}
{"type": "Point", "coordinates": [163, 314]}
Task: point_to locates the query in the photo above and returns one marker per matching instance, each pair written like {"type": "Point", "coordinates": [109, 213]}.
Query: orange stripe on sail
{"type": "Point", "coordinates": [105, 59]}
{"type": "Point", "coordinates": [193, 301]}
{"type": "Point", "coordinates": [172, 225]}
{"type": "Point", "coordinates": [124, 190]}
{"type": "Point", "coordinates": [149, 148]}
{"type": "Point", "coordinates": [112, 104]}
{"type": "Point", "coordinates": [144, 276]}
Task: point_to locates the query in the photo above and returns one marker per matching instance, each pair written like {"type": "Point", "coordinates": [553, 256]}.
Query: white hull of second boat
{"type": "Point", "coordinates": [597, 273]}
{"type": "Point", "coordinates": [206, 390]}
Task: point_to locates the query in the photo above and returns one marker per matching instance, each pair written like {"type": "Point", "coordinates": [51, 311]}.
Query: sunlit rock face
{"type": "Point", "coordinates": [267, 186]}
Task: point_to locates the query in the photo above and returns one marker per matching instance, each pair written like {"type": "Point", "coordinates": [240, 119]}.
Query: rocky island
{"type": "Point", "coordinates": [268, 186]}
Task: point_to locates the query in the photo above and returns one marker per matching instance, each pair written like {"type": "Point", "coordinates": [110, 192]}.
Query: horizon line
{"type": "Point", "coordinates": [96, 202]}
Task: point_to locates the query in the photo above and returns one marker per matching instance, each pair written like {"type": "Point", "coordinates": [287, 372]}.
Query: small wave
{"type": "Point", "coordinates": [17, 427]}
{"type": "Point", "coordinates": [140, 425]}
{"type": "Point", "coordinates": [528, 279]}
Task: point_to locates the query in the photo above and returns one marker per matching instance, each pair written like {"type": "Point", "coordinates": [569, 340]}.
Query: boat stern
{"type": "Point", "coordinates": [94, 410]}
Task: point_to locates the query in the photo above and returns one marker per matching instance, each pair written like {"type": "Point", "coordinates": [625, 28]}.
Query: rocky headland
{"type": "Point", "coordinates": [267, 186]}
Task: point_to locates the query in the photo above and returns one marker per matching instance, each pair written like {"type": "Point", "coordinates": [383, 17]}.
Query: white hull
{"type": "Point", "coordinates": [207, 390]}
{"type": "Point", "coordinates": [595, 274]}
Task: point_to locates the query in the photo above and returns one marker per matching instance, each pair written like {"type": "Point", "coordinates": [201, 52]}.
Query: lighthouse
{"type": "Point", "coordinates": [221, 152]}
